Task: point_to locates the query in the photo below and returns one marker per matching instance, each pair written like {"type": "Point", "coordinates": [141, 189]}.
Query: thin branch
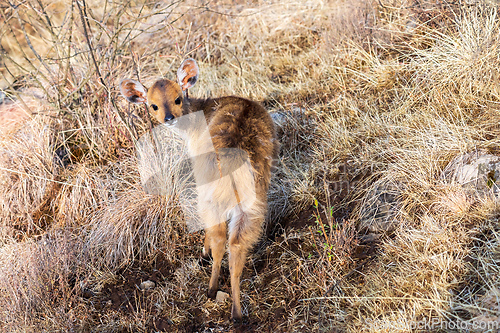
{"type": "Point", "coordinates": [28, 40]}
{"type": "Point", "coordinates": [91, 50]}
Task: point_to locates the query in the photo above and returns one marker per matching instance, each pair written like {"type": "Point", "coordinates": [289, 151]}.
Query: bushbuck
{"type": "Point", "coordinates": [234, 207]}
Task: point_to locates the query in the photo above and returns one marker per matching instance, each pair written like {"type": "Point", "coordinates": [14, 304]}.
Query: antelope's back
{"type": "Point", "coordinates": [236, 122]}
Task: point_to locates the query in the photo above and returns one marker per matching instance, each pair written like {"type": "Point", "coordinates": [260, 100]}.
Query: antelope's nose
{"type": "Point", "coordinates": [169, 117]}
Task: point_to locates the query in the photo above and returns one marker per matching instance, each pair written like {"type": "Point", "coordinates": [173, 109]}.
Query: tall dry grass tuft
{"type": "Point", "coordinates": [455, 73]}
{"type": "Point", "coordinates": [132, 227]}
{"type": "Point", "coordinates": [28, 172]}
{"type": "Point", "coordinates": [87, 187]}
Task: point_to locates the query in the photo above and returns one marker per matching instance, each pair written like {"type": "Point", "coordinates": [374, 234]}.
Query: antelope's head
{"type": "Point", "coordinates": [165, 98]}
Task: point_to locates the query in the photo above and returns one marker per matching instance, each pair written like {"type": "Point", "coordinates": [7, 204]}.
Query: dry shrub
{"type": "Point", "coordinates": [414, 276]}
{"type": "Point", "coordinates": [39, 284]}
{"type": "Point", "coordinates": [135, 223]}
{"type": "Point", "coordinates": [133, 227]}
{"type": "Point", "coordinates": [28, 173]}
{"type": "Point", "coordinates": [88, 187]}
{"type": "Point", "coordinates": [456, 72]}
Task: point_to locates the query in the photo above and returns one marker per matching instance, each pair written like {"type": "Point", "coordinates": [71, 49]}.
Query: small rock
{"type": "Point", "coordinates": [378, 211]}
{"type": "Point", "coordinates": [477, 172]}
{"type": "Point", "coordinates": [221, 296]}
{"type": "Point", "coordinates": [147, 285]}
{"type": "Point", "coordinates": [279, 118]}
{"type": "Point", "coordinates": [282, 117]}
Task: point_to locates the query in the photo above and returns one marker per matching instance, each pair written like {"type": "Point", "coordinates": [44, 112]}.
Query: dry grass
{"type": "Point", "coordinates": [366, 227]}
{"type": "Point", "coordinates": [28, 174]}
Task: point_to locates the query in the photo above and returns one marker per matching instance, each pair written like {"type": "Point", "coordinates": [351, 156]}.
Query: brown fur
{"type": "Point", "coordinates": [233, 122]}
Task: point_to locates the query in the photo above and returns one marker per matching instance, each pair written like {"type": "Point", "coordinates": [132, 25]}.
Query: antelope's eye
{"type": "Point", "coordinates": [155, 107]}
{"type": "Point", "coordinates": [178, 101]}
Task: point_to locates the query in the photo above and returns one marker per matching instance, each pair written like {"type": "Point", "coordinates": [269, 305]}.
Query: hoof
{"type": "Point", "coordinates": [237, 321]}
{"type": "Point", "coordinates": [212, 293]}
{"type": "Point", "coordinates": [236, 315]}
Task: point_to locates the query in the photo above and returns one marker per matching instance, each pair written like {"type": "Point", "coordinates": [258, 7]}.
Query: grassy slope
{"type": "Point", "coordinates": [374, 97]}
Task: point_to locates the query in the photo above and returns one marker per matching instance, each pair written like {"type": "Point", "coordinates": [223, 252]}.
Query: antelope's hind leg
{"type": "Point", "coordinates": [242, 236]}
{"type": "Point", "coordinates": [215, 243]}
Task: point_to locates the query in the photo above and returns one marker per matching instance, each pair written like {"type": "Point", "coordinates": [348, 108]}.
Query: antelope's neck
{"type": "Point", "coordinates": [196, 122]}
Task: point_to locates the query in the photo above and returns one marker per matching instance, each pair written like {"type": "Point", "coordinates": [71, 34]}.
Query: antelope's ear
{"type": "Point", "coordinates": [187, 74]}
{"type": "Point", "coordinates": [133, 91]}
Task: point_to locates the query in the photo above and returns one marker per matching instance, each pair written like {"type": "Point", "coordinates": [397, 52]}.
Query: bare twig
{"type": "Point", "coordinates": [84, 23]}
{"type": "Point", "coordinates": [28, 40]}
{"type": "Point", "coordinates": [91, 50]}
